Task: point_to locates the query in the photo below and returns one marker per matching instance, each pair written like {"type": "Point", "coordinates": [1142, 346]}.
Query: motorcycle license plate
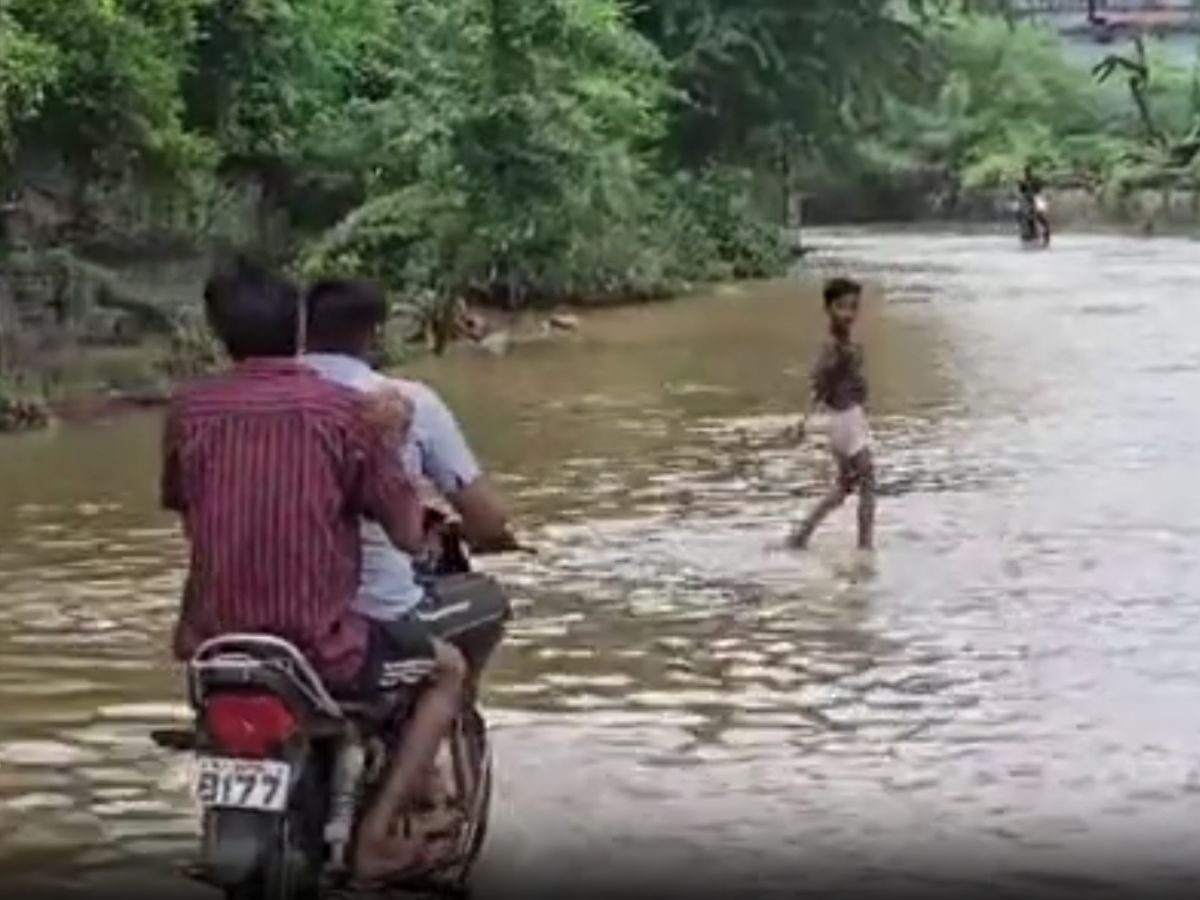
{"type": "Point", "coordinates": [254, 784]}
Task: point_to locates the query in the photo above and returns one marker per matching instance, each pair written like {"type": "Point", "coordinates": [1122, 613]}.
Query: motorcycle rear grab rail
{"type": "Point", "coordinates": [253, 652]}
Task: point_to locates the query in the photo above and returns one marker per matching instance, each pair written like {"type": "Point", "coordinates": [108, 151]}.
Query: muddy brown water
{"type": "Point", "coordinates": [1007, 701]}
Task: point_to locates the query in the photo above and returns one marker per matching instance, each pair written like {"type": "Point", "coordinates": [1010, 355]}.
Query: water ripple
{"type": "Point", "coordinates": [1008, 695]}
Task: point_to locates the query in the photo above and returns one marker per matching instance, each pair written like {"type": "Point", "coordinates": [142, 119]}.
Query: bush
{"type": "Point", "coordinates": [744, 242]}
{"type": "Point", "coordinates": [536, 179]}
{"type": "Point", "coordinates": [1008, 95]}
{"type": "Point", "coordinates": [426, 247]}
{"type": "Point", "coordinates": [191, 352]}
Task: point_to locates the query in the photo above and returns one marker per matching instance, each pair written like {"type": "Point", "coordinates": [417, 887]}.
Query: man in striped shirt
{"type": "Point", "coordinates": [271, 469]}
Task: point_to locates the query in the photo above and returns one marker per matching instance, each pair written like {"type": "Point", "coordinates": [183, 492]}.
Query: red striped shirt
{"type": "Point", "coordinates": [271, 468]}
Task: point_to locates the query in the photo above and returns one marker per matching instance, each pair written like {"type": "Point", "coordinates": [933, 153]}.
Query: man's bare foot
{"type": "Point", "coordinates": [433, 792]}
{"type": "Point", "coordinates": [442, 851]}
{"type": "Point", "coordinates": [427, 840]}
{"type": "Point", "coordinates": [384, 853]}
{"type": "Point", "coordinates": [433, 823]}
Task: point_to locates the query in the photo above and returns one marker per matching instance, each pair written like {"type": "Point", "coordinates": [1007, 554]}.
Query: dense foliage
{"type": "Point", "coordinates": [514, 150]}
{"type": "Point", "coordinates": [526, 152]}
{"type": "Point", "coordinates": [1001, 95]}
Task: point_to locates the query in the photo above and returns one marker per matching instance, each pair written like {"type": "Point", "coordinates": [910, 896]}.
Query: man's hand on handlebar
{"type": "Point", "coordinates": [501, 544]}
{"type": "Point", "coordinates": [493, 545]}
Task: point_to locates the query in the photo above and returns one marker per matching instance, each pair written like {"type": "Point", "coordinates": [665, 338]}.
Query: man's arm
{"type": "Point", "coordinates": [382, 489]}
{"type": "Point", "coordinates": [171, 497]}
{"type": "Point", "coordinates": [171, 477]}
{"type": "Point", "coordinates": [484, 520]}
{"type": "Point", "coordinates": [392, 501]}
{"type": "Point", "coordinates": [452, 467]}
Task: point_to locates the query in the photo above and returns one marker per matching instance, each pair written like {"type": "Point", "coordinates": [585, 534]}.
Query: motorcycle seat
{"type": "Point", "coordinates": [463, 605]}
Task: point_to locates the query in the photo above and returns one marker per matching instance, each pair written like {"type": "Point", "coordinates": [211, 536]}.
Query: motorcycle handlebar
{"type": "Point", "coordinates": [499, 546]}
{"type": "Point", "coordinates": [506, 550]}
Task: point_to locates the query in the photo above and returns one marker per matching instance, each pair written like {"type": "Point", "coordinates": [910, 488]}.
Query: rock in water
{"type": "Point", "coordinates": [496, 343]}
{"type": "Point", "coordinates": [564, 322]}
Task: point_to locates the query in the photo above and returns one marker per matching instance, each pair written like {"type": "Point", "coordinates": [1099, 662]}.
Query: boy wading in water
{"type": "Point", "coordinates": [839, 385]}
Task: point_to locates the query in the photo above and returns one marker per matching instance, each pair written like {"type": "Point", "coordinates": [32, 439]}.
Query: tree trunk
{"type": "Point", "coordinates": [1137, 87]}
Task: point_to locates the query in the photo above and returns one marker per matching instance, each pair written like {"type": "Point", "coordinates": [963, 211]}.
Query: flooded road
{"type": "Point", "coordinates": [1008, 699]}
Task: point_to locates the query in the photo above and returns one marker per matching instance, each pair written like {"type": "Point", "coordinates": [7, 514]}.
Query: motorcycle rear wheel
{"type": "Point", "coordinates": [479, 837]}
{"type": "Point", "coordinates": [291, 869]}
{"type": "Point", "coordinates": [480, 761]}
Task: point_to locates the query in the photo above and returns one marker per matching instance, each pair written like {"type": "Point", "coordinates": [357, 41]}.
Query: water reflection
{"type": "Point", "coordinates": [1008, 694]}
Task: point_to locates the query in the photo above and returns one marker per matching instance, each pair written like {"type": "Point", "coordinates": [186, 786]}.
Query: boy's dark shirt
{"type": "Point", "coordinates": [838, 379]}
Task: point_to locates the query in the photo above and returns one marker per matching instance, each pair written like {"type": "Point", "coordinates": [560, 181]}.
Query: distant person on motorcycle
{"type": "Point", "coordinates": [1030, 191]}
{"type": "Point", "coordinates": [272, 468]}
{"type": "Point", "coordinates": [344, 330]}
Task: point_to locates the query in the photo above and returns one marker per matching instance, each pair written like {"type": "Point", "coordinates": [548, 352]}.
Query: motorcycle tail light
{"type": "Point", "coordinates": [249, 725]}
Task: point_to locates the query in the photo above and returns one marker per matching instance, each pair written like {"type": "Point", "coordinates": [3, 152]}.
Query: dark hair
{"type": "Point", "coordinates": [837, 288]}
{"type": "Point", "coordinates": [252, 311]}
{"type": "Point", "coordinates": [342, 313]}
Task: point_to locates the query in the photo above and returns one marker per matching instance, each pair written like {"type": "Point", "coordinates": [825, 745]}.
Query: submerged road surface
{"type": "Point", "coordinates": [1009, 701]}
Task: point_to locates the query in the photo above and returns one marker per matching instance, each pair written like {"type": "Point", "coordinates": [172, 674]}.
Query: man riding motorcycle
{"type": "Point", "coordinates": [345, 321]}
{"type": "Point", "coordinates": [1032, 207]}
{"type": "Point", "coordinates": [272, 469]}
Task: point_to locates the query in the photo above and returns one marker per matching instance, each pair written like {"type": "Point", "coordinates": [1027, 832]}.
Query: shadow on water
{"type": "Point", "coordinates": [1013, 682]}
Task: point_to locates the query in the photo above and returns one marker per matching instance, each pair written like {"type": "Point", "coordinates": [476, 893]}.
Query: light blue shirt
{"type": "Point", "coordinates": [435, 449]}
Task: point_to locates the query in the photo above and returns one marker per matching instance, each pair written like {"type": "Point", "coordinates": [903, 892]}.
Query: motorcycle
{"type": "Point", "coordinates": [1032, 221]}
{"type": "Point", "coordinates": [283, 769]}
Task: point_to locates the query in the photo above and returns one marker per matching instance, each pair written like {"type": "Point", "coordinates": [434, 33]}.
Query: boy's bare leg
{"type": "Point", "coordinates": [379, 852]}
{"type": "Point", "coordinates": [803, 534]}
{"type": "Point", "coordinates": [865, 470]}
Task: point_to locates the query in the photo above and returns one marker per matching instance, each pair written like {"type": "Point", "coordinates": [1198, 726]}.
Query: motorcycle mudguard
{"type": "Point", "coordinates": [235, 844]}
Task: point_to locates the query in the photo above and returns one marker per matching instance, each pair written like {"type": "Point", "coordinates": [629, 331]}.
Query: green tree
{"type": "Point", "coordinates": [271, 81]}
{"type": "Point", "coordinates": [27, 70]}
{"type": "Point", "coordinates": [997, 96]}
{"type": "Point", "coordinates": [517, 151]}
{"type": "Point", "coordinates": [553, 152]}
{"type": "Point", "coordinates": [749, 71]}
{"type": "Point", "coordinates": [111, 107]}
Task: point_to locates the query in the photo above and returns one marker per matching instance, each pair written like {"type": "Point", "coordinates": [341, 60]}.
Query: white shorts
{"type": "Point", "coordinates": [849, 433]}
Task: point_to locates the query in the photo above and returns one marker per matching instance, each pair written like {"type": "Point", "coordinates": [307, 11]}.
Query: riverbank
{"type": "Point", "coordinates": [77, 382]}
{"type": "Point", "coordinates": [81, 380]}
{"type": "Point", "coordinates": [62, 311]}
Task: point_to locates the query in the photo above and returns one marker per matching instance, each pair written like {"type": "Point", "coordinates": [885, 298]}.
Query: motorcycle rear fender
{"type": "Point", "coordinates": [236, 843]}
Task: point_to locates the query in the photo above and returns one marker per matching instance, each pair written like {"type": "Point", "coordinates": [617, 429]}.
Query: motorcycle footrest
{"type": "Point", "coordinates": [174, 739]}
{"type": "Point", "coordinates": [195, 871]}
